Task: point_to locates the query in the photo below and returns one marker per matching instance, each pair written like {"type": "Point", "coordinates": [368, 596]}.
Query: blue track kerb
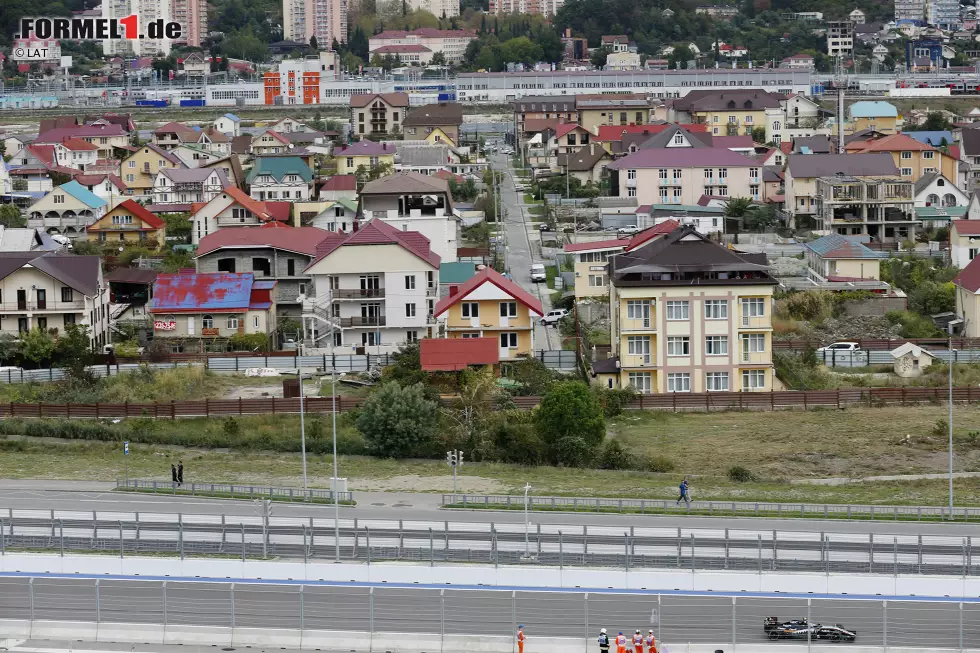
{"type": "Point", "coordinates": [501, 588]}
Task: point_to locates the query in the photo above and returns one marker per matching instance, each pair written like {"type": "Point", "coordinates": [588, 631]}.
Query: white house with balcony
{"type": "Point", "coordinates": [934, 189]}
{"type": "Point", "coordinates": [409, 201]}
{"type": "Point", "coordinates": [76, 153]}
{"type": "Point", "coordinates": [374, 290]}
{"type": "Point", "coordinates": [280, 178]}
{"type": "Point", "coordinates": [67, 209]}
{"type": "Point", "coordinates": [187, 185]}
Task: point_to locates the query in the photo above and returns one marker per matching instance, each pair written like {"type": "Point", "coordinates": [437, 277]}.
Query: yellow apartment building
{"type": "Point", "coordinates": [874, 115]}
{"type": "Point", "coordinates": [614, 109]}
{"type": "Point", "coordinates": [491, 306]}
{"type": "Point", "coordinates": [689, 315]}
{"type": "Point", "coordinates": [128, 223]}
{"type": "Point", "coordinates": [366, 154]}
{"type": "Point", "coordinates": [912, 158]}
{"type": "Point", "coordinates": [140, 167]}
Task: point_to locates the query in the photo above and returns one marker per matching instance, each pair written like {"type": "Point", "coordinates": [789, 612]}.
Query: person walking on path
{"type": "Point", "coordinates": [603, 641]}
{"type": "Point", "coordinates": [620, 643]}
{"type": "Point", "coordinates": [520, 639]}
{"type": "Point", "coordinates": [180, 473]}
{"type": "Point", "coordinates": [685, 493]}
{"type": "Point", "coordinates": [173, 473]}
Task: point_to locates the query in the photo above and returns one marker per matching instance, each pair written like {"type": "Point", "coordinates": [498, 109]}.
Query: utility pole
{"type": "Point", "coordinates": [527, 524]}
{"type": "Point", "coordinates": [952, 354]}
{"type": "Point", "coordinates": [302, 430]}
{"type": "Point", "coordinates": [333, 417]}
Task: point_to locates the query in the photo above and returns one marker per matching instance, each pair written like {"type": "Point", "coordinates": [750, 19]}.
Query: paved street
{"type": "Point", "coordinates": [424, 507]}
{"type": "Point", "coordinates": [522, 241]}
{"type": "Point", "coordinates": [676, 617]}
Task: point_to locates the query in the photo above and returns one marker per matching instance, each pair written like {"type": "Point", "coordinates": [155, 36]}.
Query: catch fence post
{"type": "Point", "coordinates": [302, 611]}
{"type": "Point", "coordinates": [232, 595]}
{"type": "Point", "coordinates": [371, 614]}
{"type": "Point", "coordinates": [586, 622]}
{"type": "Point", "coordinates": [442, 620]}
{"type": "Point", "coordinates": [98, 603]}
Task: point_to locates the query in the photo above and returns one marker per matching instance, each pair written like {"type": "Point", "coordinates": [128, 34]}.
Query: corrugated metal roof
{"type": "Point", "coordinates": [82, 194]}
{"type": "Point", "coordinates": [193, 293]}
{"type": "Point", "coordinates": [279, 167]}
{"type": "Point", "coordinates": [873, 109]}
{"type": "Point", "coordinates": [489, 275]}
{"type": "Point", "coordinates": [451, 354]}
{"type": "Point", "coordinates": [838, 246]}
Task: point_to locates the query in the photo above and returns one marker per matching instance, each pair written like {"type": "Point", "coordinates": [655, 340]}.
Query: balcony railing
{"type": "Point", "coordinates": [639, 324]}
{"type": "Point", "coordinates": [51, 306]}
{"type": "Point", "coordinates": [757, 322]}
{"type": "Point", "coordinates": [756, 357]}
{"type": "Point", "coordinates": [358, 293]}
{"type": "Point", "coordinates": [349, 322]}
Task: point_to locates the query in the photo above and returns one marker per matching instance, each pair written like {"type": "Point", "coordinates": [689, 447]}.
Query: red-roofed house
{"type": "Point", "coordinates": [269, 142]}
{"type": "Point", "coordinates": [913, 158]}
{"type": "Point", "coordinates": [967, 284]}
{"type": "Point", "coordinates": [108, 187]}
{"type": "Point", "coordinates": [455, 354]}
{"type": "Point", "coordinates": [232, 208]}
{"type": "Point", "coordinates": [490, 305]}
{"type": "Point", "coordinates": [128, 222]}
{"type": "Point", "coordinates": [106, 136]}
{"type": "Point", "coordinates": [278, 253]}
{"type": "Point", "coordinates": [376, 288]}
{"type": "Point", "coordinates": [964, 242]}
{"type": "Point", "coordinates": [569, 137]}
{"type": "Point", "coordinates": [339, 187]}
{"type": "Point", "coordinates": [76, 153]}
{"type": "Point", "coordinates": [651, 234]}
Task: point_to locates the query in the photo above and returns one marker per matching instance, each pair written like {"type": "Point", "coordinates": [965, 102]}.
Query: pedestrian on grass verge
{"type": "Point", "coordinates": [685, 493]}
{"type": "Point", "coordinates": [173, 473]}
{"type": "Point", "coordinates": [180, 474]}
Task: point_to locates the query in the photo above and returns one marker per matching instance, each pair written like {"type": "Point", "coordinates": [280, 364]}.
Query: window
{"type": "Point", "coordinates": [631, 191]}
{"type": "Point", "coordinates": [716, 309]}
{"type": "Point", "coordinates": [678, 346]}
{"type": "Point", "coordinates": [350, 162]}
{"type": "Point", "coordinates": [678, 139]}
{"type": "Point", "coordinates": [906, 155]}
{"type": "Point", "coordinates": [709, 173]}
{"type": "Point", "coordinates": [66, 294]}
{"type": "Point", "coordinates": [508, 309]}
{"type": "Point", "coordinates": [232, 322]}
{"type": "Point", "coordinates": [471, 309]}
{"type": "Point", "coordinates": [291, 268]}
{"type": "Point", "coordinates": [637, 309]}
{"type": "Point", "coordinates": [722, 173]}
{"type": "Point", "coordinates": [572, 140]}
{"type": "Point", "coordinates": [411, 336]}
{"type": "Point", "coordinates": [638, 345]}
{"type": "Point", "coordinates": [754, 343]}
{"type": "Point", "coordinates": [597, 280]}
{"type": "Point", "coordinates": [641, 382]}
{"type": "Point", "coordinates": [631, 174]}
{"type": "Point", "coordinates": [716, 346]}
{"type": "Point", "coordinates": [678, 382]}
{"type": "Point", "coordinates": [508, 341]}
{"type": "Point", "coordinates": [929, 155]}
{"type": "Point", "coordinates": [973, 252]}
{"type": "Point", "coordinates": [753, 379]}
{"type": "Point", "coordinates": [754, 173]}
{"type": "Point", "coordinates": [716, 381]}
{"type": "Point", "coordinates": [906, 172]}
{"type": "Point", "coordinates": [409, 310]}
{"type": "Point", "coordinates": [255, 321]}
{"type": "Point", "coordinates": [678, 310]}
{"type": "Point", "coordinates": [409, 282]}
{"type": "Point", "coordinates": [754, 307]}
{"type": "Point", "coordinates": [663, 174]}
{"type": "Point", "coordinates": [69, 319]}
{"type": "Point", "coordinates": [42, 323]}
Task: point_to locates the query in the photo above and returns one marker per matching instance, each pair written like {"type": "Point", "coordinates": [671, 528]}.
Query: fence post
{"type": "Point", "coordinates": [432, 549]}
{"type": "Point", "coordinates": [442, 619]}
{"type": "Point", "coordinates": [513, 619]}
{"type": "Point", "coordinates": [734, 638]}
{"type": "Point", "coordinates": [30, 585]}
{"type": "Point", "coordinates": [180, 534]}
{"type": "Point", "coordinates": [760, 552]}
{"type": "Point", "coordinates": [122, 541]}
{"type": "Point", "coordinates": [61, 526]}
{"type": "Point", "coordinates": [961, 625]}
{"type": "Point", "coordinates": [678, 547]}
{"type": "Point", "coordinates": [163, 591]}
{"type": "Point", "coordinates": [98, 603]}
{"type": "Point", "coordinates": [243, 542]}
{"type": "Point", "coordinates": [367, 537]}
{"type": "Point", "coordinates": [726, 554]}
{"type": "Point", "coordinates": [305, 552]}
{"type": "Point", "coordinates": [884, 624]}
{"type": "Point", "coordinates": [232, 595]}
{"type": "Point", "coordinates": [561, 553]}
{"type": "Point", "coordinates": [302, 612]}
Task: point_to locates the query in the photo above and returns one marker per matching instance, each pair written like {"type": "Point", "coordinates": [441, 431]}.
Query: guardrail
{"type": "Point", "coordinates": [229, 491]}
{"type": "Point", "coordinates": [716, 508]}
{"type": "Point", "coordinates": [672, 401]}
{"type": "Point", "coordinates": [493, 543]}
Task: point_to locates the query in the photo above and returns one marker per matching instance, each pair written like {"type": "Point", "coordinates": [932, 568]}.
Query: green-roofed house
{"type": "Point", "coordinates": [939, 216]}
{"type": "Point", "coordinates": [67, 210]}
{"type": "Point", "coordinates": [337, 216]}
{"type": "Point", "coordinates": [280, 178]}
{"type": "Point", "coordinates": [841, 258]}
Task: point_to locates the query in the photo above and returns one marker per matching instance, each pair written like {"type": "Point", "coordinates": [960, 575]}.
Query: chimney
{"type": "Point", "coordinates": [355, 225]}
{"type": "Point", "coordinates": [453, 290]}
{"type": "Point", "coordinates": [591, 149]}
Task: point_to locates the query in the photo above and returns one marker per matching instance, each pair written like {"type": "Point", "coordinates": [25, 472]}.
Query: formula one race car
{"type": "Point", "coordinates": [801, 629]}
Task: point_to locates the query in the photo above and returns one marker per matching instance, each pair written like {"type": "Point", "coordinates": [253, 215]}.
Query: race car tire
{"type": "Point", "coordinates": [773, 634]}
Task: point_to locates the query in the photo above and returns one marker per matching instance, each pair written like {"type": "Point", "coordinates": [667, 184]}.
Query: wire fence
{"type": "Point", "coordinates": [717, 508]}
{"type": "Point", "coordinates": [367, 541]}
{"type": "Point", "coordinates": [370, 618]}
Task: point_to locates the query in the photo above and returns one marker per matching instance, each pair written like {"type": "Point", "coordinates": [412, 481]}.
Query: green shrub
{"type": "Point", "coordinates": [230, 427]}
{"type": "Point", "coordinates": [519, 443]}
{"type": "Point", "coordinates": [658, 463]}
{"type": "Point", "coordinates": [739, 474]}
{"type": "Point", "coordinates": [615, 456]}
{"type": "Point", "coordinates": [614, 400]}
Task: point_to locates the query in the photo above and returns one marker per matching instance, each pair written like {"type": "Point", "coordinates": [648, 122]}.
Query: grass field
{"type": "Point", "coordinates": [776, 447]}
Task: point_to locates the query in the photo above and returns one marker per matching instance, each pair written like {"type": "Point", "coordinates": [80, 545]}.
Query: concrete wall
{"type": "Point", "coordinates": [745, 583]}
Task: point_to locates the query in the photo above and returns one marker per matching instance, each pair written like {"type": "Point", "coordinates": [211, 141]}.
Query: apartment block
{"type": "Point", "coordinates": [193, 18]}
{"type": "Point", "coordinates": [450, 42]}
{"type": "Point", "coordinates": [690, 315]}
{"type": "Point", "coordinates": [543, 7]}
{"type": "Point", "coordinates": [324, 19]}
{"type": "Point", "coordinates": [148, 11]}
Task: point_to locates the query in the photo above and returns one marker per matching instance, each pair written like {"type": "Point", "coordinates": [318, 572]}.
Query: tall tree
{"type": "Point", "coordinates": [571, 422]}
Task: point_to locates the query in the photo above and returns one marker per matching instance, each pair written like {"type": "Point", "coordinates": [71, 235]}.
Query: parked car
{"type": "Point", "coordinates": [628, 230]}
{"type": "Point", "coordinates": [551, 317]}
{"type": "Point", "coordinates": [538, 273]}
{"type": "Point", "coordinates": [841, 346]}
